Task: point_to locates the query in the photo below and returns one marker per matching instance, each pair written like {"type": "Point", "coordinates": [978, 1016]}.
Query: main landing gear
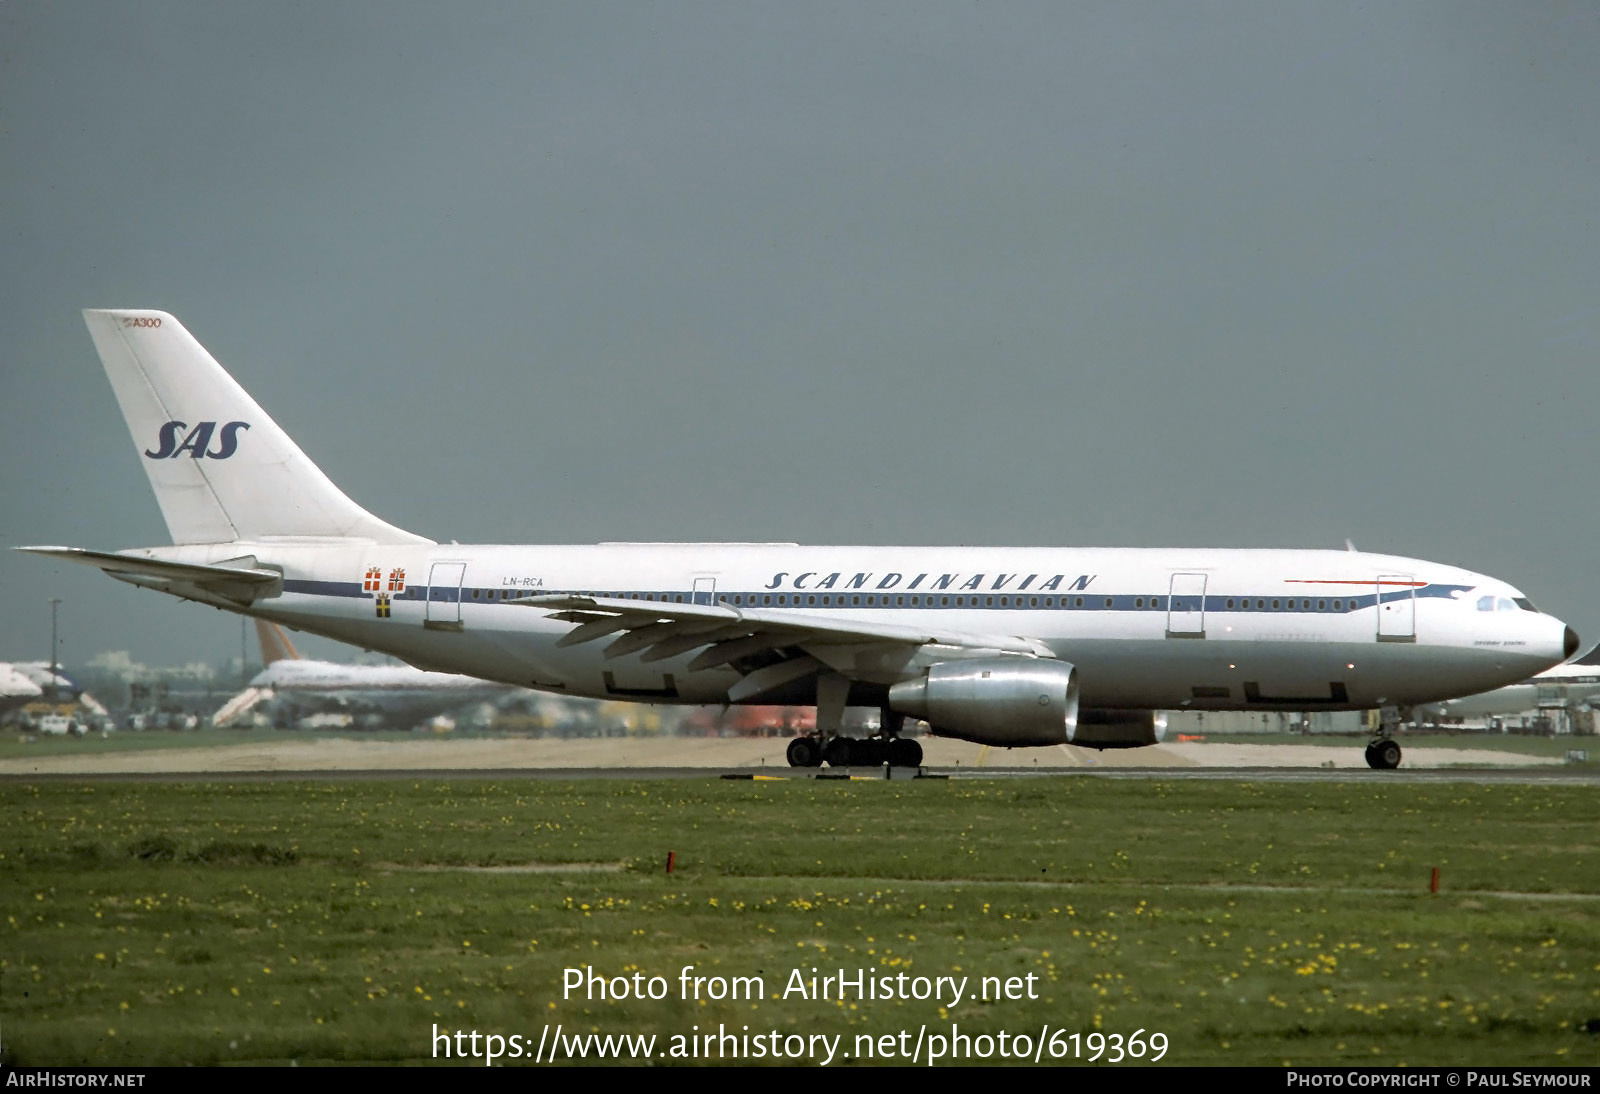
{"type": "Point", "coordinates": [888, 747]}
{"type": "Point", "coordinates": [855, 752]}
{"type": "Point", "coordinates": [1383, 753]}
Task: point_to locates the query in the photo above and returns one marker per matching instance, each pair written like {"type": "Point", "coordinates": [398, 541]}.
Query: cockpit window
{"type": "Point", "coordinates": [1505, 604]}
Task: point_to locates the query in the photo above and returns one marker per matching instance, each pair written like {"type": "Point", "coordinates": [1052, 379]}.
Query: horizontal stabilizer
{"type": "Point", "coordinates": [238, 581]}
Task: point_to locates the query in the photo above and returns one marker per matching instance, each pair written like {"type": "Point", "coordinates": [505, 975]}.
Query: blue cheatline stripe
{"type": "Point", "coordinates": [1118, 602]}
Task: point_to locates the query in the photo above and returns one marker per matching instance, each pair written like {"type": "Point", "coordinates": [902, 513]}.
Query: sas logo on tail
{"type": "Point", "coordinates": [197, 442]}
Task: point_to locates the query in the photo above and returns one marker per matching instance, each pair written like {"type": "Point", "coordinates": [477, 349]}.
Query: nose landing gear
{"type": "Point", "coordinates": [1383, 753]}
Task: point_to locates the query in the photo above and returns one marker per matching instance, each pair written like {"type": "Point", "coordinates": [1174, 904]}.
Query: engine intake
{"type": "Point", "coordinates": [1007, 701]}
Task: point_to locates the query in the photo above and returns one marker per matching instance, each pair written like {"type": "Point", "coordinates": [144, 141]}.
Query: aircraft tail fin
{"type": "Point", "coordinates": [222, 470]}
{"type": "Point", "coordinates": [275, 645]}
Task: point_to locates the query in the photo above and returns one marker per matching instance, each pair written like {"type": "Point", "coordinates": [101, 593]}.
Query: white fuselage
{"type": "Point", "coordinates": [1202, 629]}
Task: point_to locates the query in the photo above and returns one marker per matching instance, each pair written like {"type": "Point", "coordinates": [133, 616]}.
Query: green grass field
{"type": "Point", "coordinates": [1250, 923]}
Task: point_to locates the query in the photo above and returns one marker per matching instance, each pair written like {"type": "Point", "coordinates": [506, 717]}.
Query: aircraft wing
{"type": "Point", "coordinates": [237, 581]}
{"type": "Point", "coordinates": [771, 648]}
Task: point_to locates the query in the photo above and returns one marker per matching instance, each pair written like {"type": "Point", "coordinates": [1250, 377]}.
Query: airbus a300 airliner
{"type": "Point", "coordinates": [1000, 645]}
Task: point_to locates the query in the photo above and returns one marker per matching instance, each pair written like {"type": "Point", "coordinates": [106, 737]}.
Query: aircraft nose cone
{"type": "Point", "coordinates": [1569, 643]}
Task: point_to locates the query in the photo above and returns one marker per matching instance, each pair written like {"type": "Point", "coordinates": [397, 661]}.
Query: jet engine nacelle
{"type": "Point", "coordinates": [1119, 728]}
{"type": "Point", "coordinates": [1007, 701]}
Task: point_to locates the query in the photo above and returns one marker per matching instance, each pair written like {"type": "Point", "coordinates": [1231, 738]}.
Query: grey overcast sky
{"type": "Point", "coordinates": [1221, 274]}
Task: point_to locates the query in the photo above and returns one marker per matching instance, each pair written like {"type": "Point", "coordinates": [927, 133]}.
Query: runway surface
{"type": "Point", "coordinates": [278, 757]}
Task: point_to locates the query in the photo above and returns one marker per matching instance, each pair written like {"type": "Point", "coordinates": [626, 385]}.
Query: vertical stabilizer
{"type": "Point", "coordinates": [275, 645]}
{"type": "Point", "coordinates": [221, 469]}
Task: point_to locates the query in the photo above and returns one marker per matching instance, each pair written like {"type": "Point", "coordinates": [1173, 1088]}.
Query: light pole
{"type": "Point", "coordinates": [54, 600]}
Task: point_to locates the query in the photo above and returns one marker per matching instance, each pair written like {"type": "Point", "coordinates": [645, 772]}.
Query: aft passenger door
{"type": "Point", "coordinates": [444, 596]}
{"type": "Point", "coordinates": [1397, 608]}
{"type": "Point", "coordinates": [1186, 606]}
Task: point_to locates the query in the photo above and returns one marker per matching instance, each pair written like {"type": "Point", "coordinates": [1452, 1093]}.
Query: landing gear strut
{"type": "Point", "coordinates": [1383, 753]}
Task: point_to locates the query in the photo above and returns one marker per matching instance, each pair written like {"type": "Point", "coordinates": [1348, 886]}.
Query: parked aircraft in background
{"type": "Point", "coordinates": [23, 682]}
{"type": "Point", "coordinates": [16, 688]}
{"type": "Point", "coordinates": [46, 698]}
{"type": "Point", "coordinates": [1567, 686]}
{"type": "Point", "coordinates": [400, 694]}
{"type": "Point", "coordinates": [51, 682]}
{"type": "Point", "coordinates": [998, 645]}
